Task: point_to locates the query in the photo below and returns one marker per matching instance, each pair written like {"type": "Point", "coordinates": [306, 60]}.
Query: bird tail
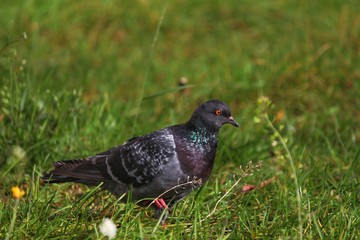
{"type": "Point", "coordinates": [89, 171]}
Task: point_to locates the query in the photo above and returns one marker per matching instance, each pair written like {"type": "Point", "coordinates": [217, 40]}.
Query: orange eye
{"type": "Point", "coordinates": [218, 112]}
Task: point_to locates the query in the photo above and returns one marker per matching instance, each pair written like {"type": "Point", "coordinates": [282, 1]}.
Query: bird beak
{"type": "Point", "coordinates": [233, 122]}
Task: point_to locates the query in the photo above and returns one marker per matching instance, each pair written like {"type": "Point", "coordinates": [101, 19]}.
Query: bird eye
{"type": "Point", "coordinates": [218, 112]}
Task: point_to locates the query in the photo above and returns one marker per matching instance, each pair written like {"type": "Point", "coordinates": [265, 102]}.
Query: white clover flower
{"type": "Point", "coordinates": [108, 228]}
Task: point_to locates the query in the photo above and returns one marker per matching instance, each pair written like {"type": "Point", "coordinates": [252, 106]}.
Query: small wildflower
{"type": "Point", "coordinates": [280, 115]}
{"type": "Point", "coordinates": [264, 104]}
{"type": "Point", "coordinates": [18, 152]}
{"type": "Point", "coordinates": [108, 228]}
{"type": "Point", "coordinates": [17, 193]}
{"type": "Point", "coordinates": [264, 101]}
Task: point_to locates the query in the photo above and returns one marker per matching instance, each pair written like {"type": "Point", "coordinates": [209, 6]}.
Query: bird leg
{"type": "Point", "coordinates": [160, 207]}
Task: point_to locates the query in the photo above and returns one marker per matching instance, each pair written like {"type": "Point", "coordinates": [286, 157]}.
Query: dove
{"type": "Point", "coordinates": [159, 168]}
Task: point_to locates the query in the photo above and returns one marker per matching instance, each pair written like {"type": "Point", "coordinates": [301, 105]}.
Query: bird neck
{"type": "Point", "coordinates": [197, 150]}
{"type": "Point", "coordinates": [202, 135]}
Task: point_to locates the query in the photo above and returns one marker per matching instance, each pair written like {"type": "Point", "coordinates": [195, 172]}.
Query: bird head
{"type": "Point", "coordinates": [213, 115]}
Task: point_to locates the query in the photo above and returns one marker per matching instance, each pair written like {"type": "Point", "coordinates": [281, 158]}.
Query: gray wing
{"type": "Point", "coordinates": [141, 159]}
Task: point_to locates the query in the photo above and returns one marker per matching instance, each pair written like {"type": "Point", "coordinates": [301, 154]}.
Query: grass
{"type": "Point", "coordinates": [90, 75]}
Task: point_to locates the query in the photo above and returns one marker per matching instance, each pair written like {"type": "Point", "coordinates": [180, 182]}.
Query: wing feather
{"type": "Point", "coordinates": [141, 159]}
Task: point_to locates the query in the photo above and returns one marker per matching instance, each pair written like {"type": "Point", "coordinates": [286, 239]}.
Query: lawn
{"type": "Point", "coordinates": [79, 77]}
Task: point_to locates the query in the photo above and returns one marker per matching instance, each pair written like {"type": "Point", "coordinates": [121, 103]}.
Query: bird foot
{"type": "Point", "coordinates": [160, 203]}
{"type": "Point", "coordinates": [161, 206]}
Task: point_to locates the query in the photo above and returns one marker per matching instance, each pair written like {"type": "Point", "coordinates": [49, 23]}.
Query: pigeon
{"type": "Point", "coordinates": [159, 168]}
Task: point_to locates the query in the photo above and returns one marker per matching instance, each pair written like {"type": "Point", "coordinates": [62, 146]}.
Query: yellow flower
{"type": "Point", "coordinates": [17, 193]}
